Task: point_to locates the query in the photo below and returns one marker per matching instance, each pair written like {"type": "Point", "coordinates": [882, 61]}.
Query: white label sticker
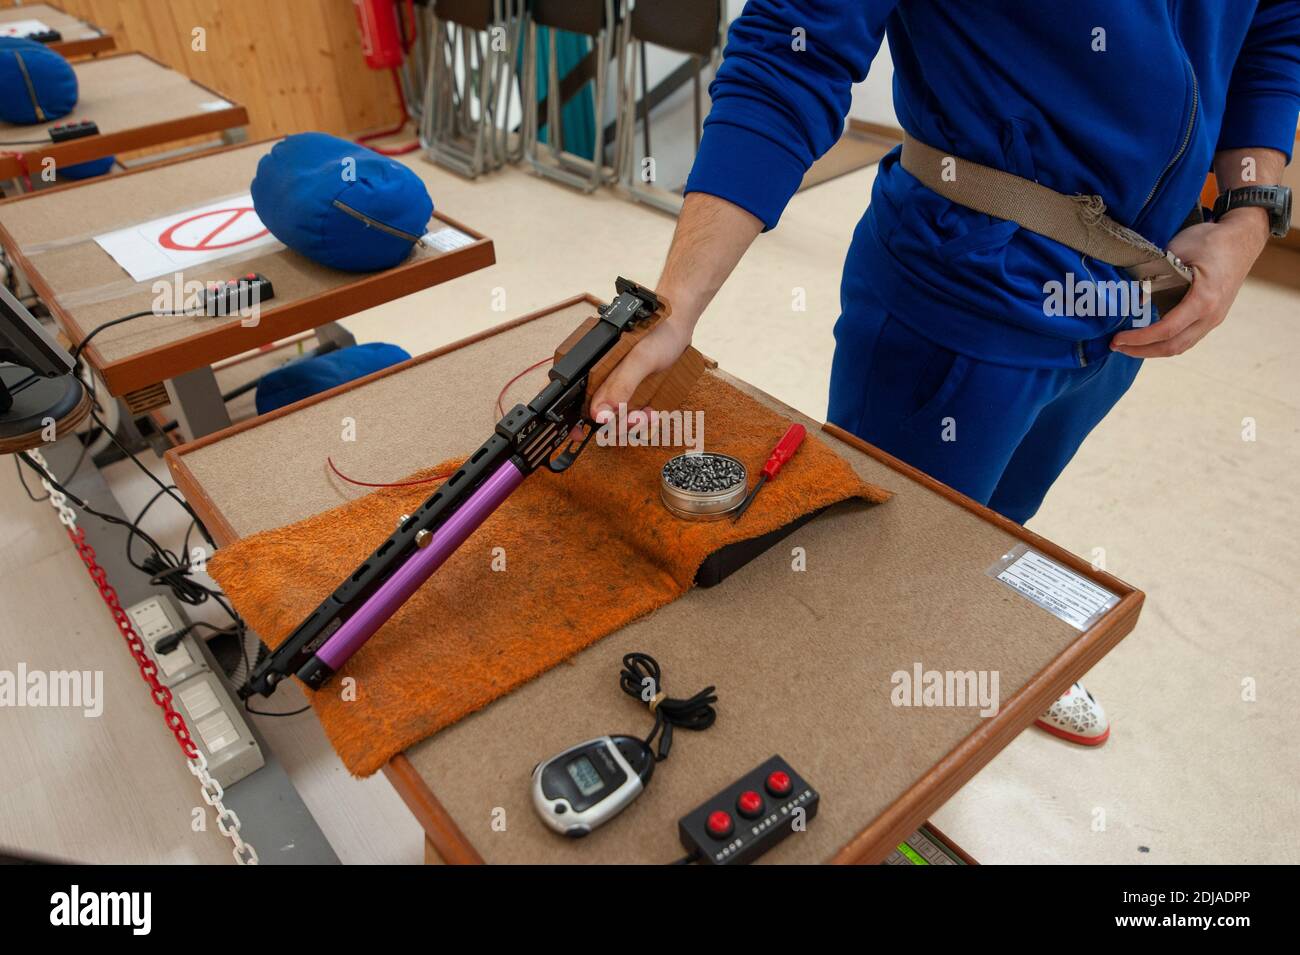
{"type": "Point", "coordinates": [447, 239]}
{"type": "Point", "coordinates": [23, 28]}
{"type": "Point", "coordinates": [180, 241]}
{"type": "Point", "coordinates": [1059, 590]}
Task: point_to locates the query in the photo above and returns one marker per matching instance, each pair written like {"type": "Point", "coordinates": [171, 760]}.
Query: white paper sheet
{"type": "Point", "coordinates": [23, 28]}
{"type": "Point", "coordinates": [447, 239]}
{"type": "Point", "coordinates": [177, 242]}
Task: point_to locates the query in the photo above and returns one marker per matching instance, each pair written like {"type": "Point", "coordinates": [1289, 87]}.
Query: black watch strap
{"type": "Point", "coordinates": [1276, 199]}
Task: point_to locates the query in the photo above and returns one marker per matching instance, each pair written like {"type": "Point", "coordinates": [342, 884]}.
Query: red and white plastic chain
{"type": "Point", "coordinates": [227, 822]}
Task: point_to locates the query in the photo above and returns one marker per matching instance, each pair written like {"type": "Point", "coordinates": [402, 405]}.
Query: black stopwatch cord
{"type": "Point", "coordinates": [641, 679]}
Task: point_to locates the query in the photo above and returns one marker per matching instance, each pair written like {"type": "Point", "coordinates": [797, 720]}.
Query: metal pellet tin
{"type": "Point", "coordinates": [702, 485]}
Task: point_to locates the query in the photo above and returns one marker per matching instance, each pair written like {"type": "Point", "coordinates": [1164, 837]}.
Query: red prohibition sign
{"type": "Point", "coordinates": [208, 243]}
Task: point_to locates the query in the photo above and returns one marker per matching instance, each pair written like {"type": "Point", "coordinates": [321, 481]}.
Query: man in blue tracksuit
{"type": "Point", "coordinates": [948, 354]}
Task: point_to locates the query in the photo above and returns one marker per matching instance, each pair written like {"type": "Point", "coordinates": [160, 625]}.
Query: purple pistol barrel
{"type": "Point", "coordinates": [419, 567]}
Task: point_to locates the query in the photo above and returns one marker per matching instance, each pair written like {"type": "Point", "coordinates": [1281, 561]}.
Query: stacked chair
{"type": "Point", "coordinates": [694, 27]}
{"type": "Point", "coordinates": [600, 20]}
{"type": "Point", "coordinates": [471, 81]}
{"type": "Point", "coordinates": [482, 60]}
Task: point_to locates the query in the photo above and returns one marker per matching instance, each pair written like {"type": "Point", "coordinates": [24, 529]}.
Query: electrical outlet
{"type": "Point", "coordinates": [153, 619]}
{"type": "Point", "coordinates": [215, 722]}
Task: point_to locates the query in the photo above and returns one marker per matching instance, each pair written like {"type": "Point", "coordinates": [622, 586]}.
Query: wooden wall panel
{"type": "Point", "coordinates": [296, 64]}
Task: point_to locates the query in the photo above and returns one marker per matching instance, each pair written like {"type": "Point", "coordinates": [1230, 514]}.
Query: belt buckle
{"type": "Point", "coordinates": [1164, 280]}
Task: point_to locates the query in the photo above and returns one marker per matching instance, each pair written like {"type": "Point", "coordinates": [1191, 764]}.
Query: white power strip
{"type": "Point", "coordinates": [211, 713]}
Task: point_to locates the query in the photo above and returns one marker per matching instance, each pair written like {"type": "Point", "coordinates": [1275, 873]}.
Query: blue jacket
{"type": "Point", "coordinates": [1015, 85]}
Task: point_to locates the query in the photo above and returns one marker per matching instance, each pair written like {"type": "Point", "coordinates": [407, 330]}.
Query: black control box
{"type": "Point", "coordinates": [45, 36]}
{"type": "Point", "coordinates": [235, 296]}
{"type": "Point", "coordinates": [76, 130]}
{"type": "Point", "coordinates": [750, 816]}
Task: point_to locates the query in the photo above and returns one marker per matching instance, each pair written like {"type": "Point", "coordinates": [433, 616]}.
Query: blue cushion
{"type": "Point", "coordinates": [87, 170]}
{"type": "Point", "coordinates": [301, 183]}
{"type": "Point", "coordinates": [310, 376]}
{"type": "Point", "coordinates": [52, 81]}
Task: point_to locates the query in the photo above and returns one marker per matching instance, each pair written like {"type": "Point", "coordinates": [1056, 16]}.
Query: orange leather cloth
{"type": "Point", "coordinates": [586, 552]}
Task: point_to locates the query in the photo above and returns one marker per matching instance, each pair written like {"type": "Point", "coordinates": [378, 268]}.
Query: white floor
{"type": "Point", "coordinates": [1167, 492]}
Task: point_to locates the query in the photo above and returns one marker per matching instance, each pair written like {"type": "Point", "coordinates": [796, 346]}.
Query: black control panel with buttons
{"type": "Point", "coordinates": [237, 296]}
{"type": "Point", "coordinates": [750, 816]}
{"type": "Point", "coordinates": [74, 130]}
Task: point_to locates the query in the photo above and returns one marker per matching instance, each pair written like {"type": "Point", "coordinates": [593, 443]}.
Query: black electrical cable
{"type": "Point", "coordinates": [163, 567]}
{"type": "Point", "coordinates": [90, 375]}
{"type": "Point", "coordinates": [86, 441]}
{"type": "Point", "coordinates": [185, 505]}
{"type": "Point", "coordinates": [168, 643]}
{"type": "Point", "coordinates": [248, 668]}
{"type": "Point", "coordinates": [76, 360]}
{"type": "Point", "coordinates": [109, 518]}
{"type": "Point", "coordinates": [237, 630]}
{"type": "Point", "coordinates": [642, 679]}
{"type": "Point", "coordinates": [76, 352]}
{"type": "Point", "coordinates": [300, 710]}
{"type": "Point", "coordinates": [22, 479]}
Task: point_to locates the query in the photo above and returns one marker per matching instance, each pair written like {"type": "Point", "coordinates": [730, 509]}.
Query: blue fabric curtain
{"type": "Point", "coordinates": [578, 115]}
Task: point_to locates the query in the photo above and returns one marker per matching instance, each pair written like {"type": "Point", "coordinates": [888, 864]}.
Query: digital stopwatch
{"type": "Point", "coordinates": [587, 785]}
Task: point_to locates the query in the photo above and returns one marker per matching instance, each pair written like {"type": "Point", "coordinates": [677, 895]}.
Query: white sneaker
{"type": "Point", "coordinates": [1077, 717]}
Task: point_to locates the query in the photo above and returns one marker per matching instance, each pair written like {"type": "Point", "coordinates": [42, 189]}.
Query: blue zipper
{"type": "Point", "coordinates": [1187, 134]}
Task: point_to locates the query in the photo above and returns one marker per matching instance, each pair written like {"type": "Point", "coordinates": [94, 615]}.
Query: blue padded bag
{"type": "Point", "coordinates": [52, 81]}
{"type": "Point", "coordinates": [340, 204]}
{"type": "Point", "coordinates": [87, 170]}
{"type": "Point", "coordinates": [310, 376]}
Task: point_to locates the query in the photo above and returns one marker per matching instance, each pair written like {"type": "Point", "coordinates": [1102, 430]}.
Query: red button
{"type": "Point", "coordinates": [750, 804]}
{"type": "Point", "coordinates": [778, 783]}
{"type": "Point", "coordinates": [719, 824]}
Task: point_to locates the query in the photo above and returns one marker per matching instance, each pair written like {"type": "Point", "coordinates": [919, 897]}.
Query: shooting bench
{"type": "Point", "coordinates": [154, 361]}
{"type": "Point", "coordinates": [801, 660]}
{"type": "Point", "coordinates": [136, 102]}
{"type": "Point", "coordinates": [79, 38]}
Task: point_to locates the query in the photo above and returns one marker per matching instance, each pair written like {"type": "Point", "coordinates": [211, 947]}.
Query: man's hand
{"type": "Point", "coordinates": [1221, 254]}
{"type": "Point", "coordinates": [655, 352]}
{"type": "Point", "coordinates": [712, 234]}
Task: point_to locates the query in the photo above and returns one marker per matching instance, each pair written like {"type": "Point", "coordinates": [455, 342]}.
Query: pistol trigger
{"type": "Point", "coordinates": [562, 460]}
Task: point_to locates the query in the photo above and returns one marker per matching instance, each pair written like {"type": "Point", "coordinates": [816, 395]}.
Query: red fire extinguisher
{"type": "Point", "coordinates": [382, 39]}
{"type": "Point", "coordinates": [386, 37]}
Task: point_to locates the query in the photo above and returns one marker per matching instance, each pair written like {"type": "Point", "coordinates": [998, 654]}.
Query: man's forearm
{"type": "Point", "coordinates": [1234, 168]}
{"type": "Point", "coordinates": [712, 235]}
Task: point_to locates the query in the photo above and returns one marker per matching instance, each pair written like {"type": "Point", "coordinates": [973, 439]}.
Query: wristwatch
{"type": "Point", "coordinates": [1276, 199]}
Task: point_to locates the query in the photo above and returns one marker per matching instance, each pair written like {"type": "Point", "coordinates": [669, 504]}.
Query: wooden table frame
{"type": "Point", "coordinates": [90, 148]}
{"type": "Point", "coordinates": [146, 370]}
{"type": "Point", "coordinates": [82, 46]}
{"type": "Point", "coordinates": [446, 842]}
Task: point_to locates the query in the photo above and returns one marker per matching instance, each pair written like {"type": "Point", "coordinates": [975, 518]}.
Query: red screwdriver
{"type": "Point", "coordinates": [783, 452]}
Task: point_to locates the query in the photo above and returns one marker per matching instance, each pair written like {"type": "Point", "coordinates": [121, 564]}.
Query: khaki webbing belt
{"type": "Point", "coordinates": [1078, 221]}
